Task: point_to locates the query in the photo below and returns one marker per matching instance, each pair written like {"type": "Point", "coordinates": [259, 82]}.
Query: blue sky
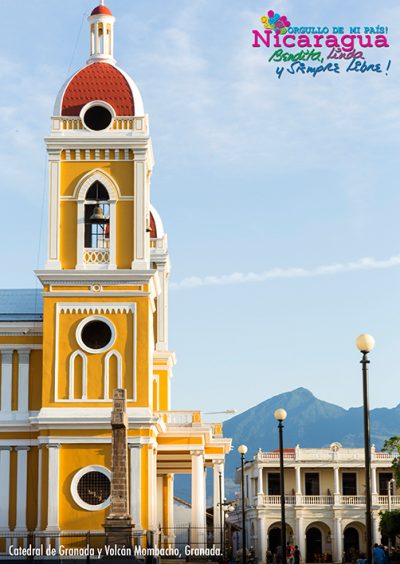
{"type": "Point", "coordinates": [252, 174]}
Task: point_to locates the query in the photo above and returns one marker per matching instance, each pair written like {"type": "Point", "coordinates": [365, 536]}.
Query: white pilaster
{"type": "Point", "coordinates": [260, 489]}
{"type": "Point", "coordinates": [22, 487]}
{"type": "Point", "coordinates": [6, 381]}
{"type": "Point", "coordinates": [39, 489]}
{"type": "Point", "coordinates": [53, 261]}
{"type": "Point", "coordinates": [162, 310]}
{"type": "Point", "coordinates": [262, 540]}
{"type": "Point", "coordinates": [53, 488]}
{"type": "Point", "coordinates": [134, 483]}
{"type": "Point", "coordinates": [300, 537]}
{"type": "Point", "coordinates": [198, 508]}
{"type": "Point", "coordinates": [140, 247]}
{"type": "Point", "coordinates": [218, 497]}
{"type": "Point", "coordinates": [23, 381]}
{"type": "Point", "coordinates": [338, 546]}
{"type": "Point", "coordinates": [5, 453]}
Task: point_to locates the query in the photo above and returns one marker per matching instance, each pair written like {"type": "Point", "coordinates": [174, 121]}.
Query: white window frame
{"type": "Point", "coordinates": [85, 321]}
{"type": "Point", "coordinates": [74, 488]}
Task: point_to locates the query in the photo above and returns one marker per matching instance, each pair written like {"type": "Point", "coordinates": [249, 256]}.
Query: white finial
{"type": "Point", "coordinates": [102, 2]}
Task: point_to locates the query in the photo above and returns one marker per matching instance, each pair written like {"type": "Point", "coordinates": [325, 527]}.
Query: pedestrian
{"type": "Point", "coordinates": [379, 554]}
{"type": "Point", "coordinates": [297, 555]}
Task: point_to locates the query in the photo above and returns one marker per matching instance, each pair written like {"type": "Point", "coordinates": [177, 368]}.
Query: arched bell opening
{"type": "Point", "coordinates": [97, 219]}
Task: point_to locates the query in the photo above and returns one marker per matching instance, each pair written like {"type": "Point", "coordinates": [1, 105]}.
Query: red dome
{"type": "Point", "coordinates": [101, 10]}
{"type": "Point", "coordinates": [153, 227]}
{"type": "Point", "coordinates": [98, 81]}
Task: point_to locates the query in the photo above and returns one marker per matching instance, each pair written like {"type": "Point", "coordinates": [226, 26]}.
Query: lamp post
{"type": "Point", "coordinates": [280, 415]}
{"type": "Point", "coordinates": [242, 451]}
{"type": "Point", "coordinates": [365, 343]}
{"type": "Point", "coordinates": [391, 482]}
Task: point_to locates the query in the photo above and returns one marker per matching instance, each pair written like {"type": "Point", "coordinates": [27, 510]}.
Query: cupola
{"type": "Point", "coordinates": [101, 23]}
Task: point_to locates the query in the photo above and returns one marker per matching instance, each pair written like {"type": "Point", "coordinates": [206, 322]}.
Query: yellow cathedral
{"type": "Point", "coordinates": [100, 322]}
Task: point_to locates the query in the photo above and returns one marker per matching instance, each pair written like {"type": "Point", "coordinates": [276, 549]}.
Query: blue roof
{"type": "Point", "coordinates": [21, 305]}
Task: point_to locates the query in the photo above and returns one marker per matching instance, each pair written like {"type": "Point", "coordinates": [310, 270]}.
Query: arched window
{"type": "Point", "coordinates": [96, 196]}
{"type": "Point", "coordinates": [112, 373]}
{"type": "Point", "coordinates": [97, 217]}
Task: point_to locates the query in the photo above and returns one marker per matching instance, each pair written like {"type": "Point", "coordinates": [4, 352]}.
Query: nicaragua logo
{"type": "Point", "coordinates": [315, 50]}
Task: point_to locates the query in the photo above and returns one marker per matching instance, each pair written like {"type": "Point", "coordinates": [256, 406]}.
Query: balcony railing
{"type": "Point", "coordinates": [326, 500]}
{"type": "Point", "coordinates": [180, 418]}
{"type": "Point", "coordinates": [120, 123]}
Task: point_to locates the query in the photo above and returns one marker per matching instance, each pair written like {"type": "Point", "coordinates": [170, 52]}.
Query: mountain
{"type": "Point", "coordinates": [310, 423]}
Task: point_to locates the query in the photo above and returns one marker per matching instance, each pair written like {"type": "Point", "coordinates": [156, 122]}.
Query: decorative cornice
{"type": "Point", "coordinates": [90, 278]}
{"type": "Point", "coordinates": [95, 307]}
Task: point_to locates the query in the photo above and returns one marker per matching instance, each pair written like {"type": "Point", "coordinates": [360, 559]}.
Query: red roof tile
{"type": "Point", "coordinates": [101, 10]}
{"type": "Point", "coordinates": [98, 81]}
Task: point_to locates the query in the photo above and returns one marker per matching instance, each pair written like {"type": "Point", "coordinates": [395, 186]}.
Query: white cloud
{"type": "Point", "coordinates": [291, 272]}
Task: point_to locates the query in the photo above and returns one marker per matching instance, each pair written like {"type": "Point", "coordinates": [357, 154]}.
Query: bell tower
{"type": "Point", "coordinates": [106, 277]}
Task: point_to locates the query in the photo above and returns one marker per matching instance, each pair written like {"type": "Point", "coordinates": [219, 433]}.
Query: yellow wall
{"type": "Point", "coordinates": [72, 459]}
{"type": "Point", "coordinates": [124, 344]}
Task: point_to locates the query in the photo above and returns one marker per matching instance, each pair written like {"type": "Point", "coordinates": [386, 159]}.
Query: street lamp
{"type": "Point", "coordinates": [280, 415]}
{"type": "Point", "coordinates": [242, 451]}
{"type": "Point", "coordinates": [390, 483]}
{"type": "Point", "coordinates": [365, 343]}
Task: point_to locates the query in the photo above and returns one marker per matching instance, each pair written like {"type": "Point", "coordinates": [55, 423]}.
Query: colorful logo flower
{"type": "Point", "coordinates": [276, 22]}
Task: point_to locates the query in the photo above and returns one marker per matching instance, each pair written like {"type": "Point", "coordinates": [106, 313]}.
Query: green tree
{"type": "Point", "coordinates": [392, 446]}
{"type": "Point", "coordinates": [390, 523]}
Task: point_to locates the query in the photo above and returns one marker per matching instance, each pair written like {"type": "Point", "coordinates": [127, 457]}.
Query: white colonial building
{"type": "Point", "coordinates": [325, 500]}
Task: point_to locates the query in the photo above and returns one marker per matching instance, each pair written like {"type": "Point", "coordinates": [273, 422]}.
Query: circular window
{"type": "Point", "coordinates": [91, 488]}
{"type": "Point", "coordinates": [95, 334]}
{"type": "Point", "coordinates": [97, 118]}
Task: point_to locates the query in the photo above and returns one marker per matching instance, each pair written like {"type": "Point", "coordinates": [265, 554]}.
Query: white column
{"type": "Point", "coordinates": [5, 487]}
{"type": "Point", "coordinates": [336, 485]}
{"type": "Point", "coordinates": [53, 488]}
{"type": "Point", "coordinates": [113, 235]}
{"type": "Point", "coordinates": [218, 497]}
{"type": "Point", "coordinates": [298, 485]}
{"type": "Point", "coordinates": [198, 508]}
{"type": "Point", "coordinates": [140, 236]}
{"type": "Point", "coordinates": [300, 537]}
{"type": "Point", "coordinates": [134, 484]}
{"type": "Point", "coordinates": [160, 502]}
{"type": "Point", "coordinates": [170, 506]}
{"type": "Point", "coordinates": [53, 261]}
{"type": "Point", "coordinates": [373, 480]}
{"type": "Point", "coordinates": [298, 480]}
{"type": "Point", "coordinates": [23, 381]}
{"type": "Point", "coordinates": [338, 552]}
{"type": "Point", "coordinates": [260, 489]}
{"type": "Point", "coordinates": [262, 537]}
{"type": "Point", "coordinates": [376, 535]}
{"type": "Point", "coordinates": [6, 381]}
{"type": "Point", "coordinates": [22, 487]}
{"type": "Point", "coordinates": [39, 490]}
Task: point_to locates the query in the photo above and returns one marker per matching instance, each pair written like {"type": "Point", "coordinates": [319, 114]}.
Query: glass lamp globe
{"type": "Point", "coordinates": [280, 414]}
{"type": "Point", "coordinates": [242, 449]}
{"type": "Point", "coordinates": [365, 343]}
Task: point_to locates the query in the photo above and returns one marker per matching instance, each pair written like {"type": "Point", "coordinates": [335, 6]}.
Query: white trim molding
{"type": "Point", "coordinates": [71, 382]}
{"type": "Point", "coordinates": [107, 360]}
{"type": "Point", "coordinates": [74, 487]}
{"type": "Point", "coordinates": [94, 308]}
